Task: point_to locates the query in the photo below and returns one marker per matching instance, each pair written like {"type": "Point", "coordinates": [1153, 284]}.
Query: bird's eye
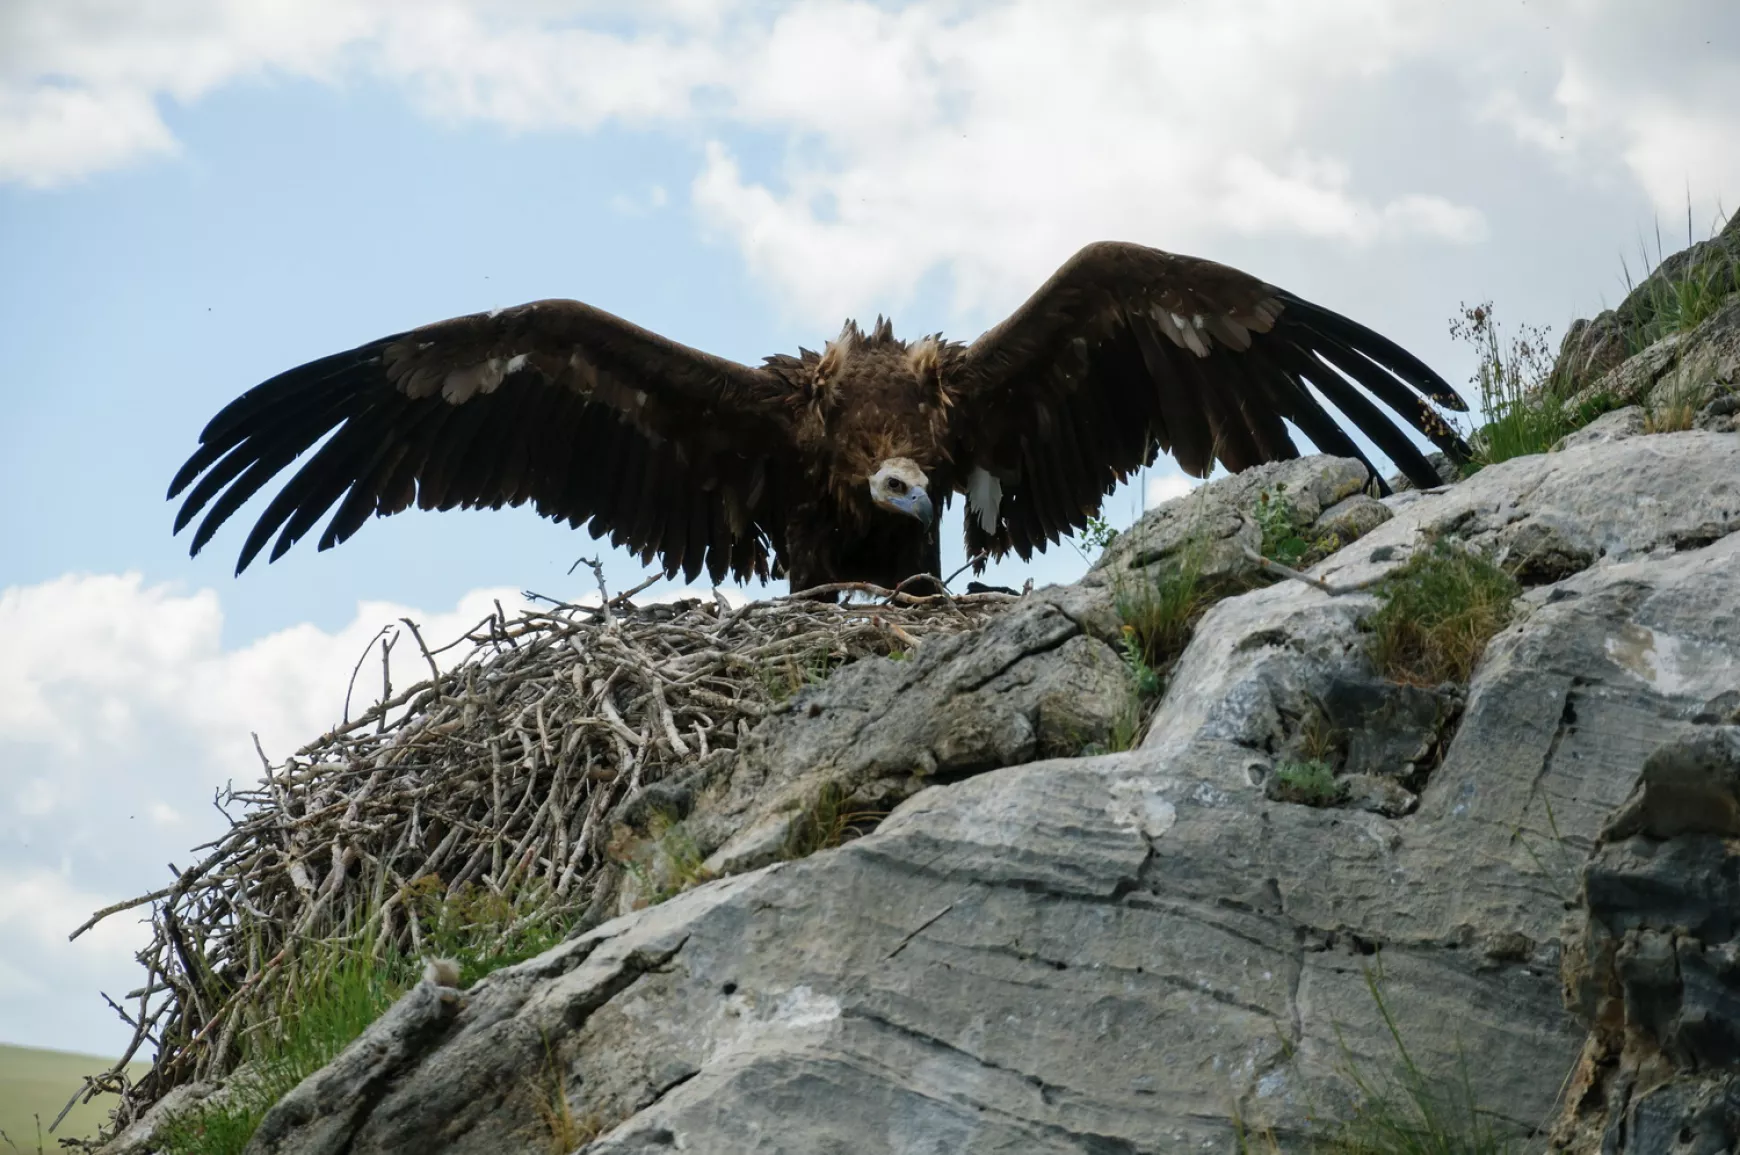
{"type": "Point", "coordinates": [895, 485]}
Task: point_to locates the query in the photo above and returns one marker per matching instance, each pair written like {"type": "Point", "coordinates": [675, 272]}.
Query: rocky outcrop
{"type": "Point", "coordinates": [1629, 356]}
{"type": "Point", "coordinates": [1592, 348]}
{"type": "Point", "coordinates": [1653, 967]}
{"type": "Point", "coordinates": [1148, 951]}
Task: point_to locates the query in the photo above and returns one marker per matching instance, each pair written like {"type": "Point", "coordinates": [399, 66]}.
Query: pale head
{"type": "Point", "coordinates": [898, 485]}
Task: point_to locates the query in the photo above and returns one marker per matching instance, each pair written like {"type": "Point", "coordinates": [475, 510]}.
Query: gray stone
{"type": "Point", "coordinates": [1593, 349]}
{"type": "Point", "coordinates": [1214, 525]}
{"type": "Point", "coordinates": [1035, 683]}
{"type": "Point", "coordinates": [1615, 426]}
{"type": "Point", "coordinates": [1348, 520]}
{"type": "Point", "coordinates": [1654, 966]}
{"type": "Point", "coordinates": [1126, 953]}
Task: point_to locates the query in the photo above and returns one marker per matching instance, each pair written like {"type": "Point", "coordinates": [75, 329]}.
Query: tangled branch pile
{"type": "Point", "coordinates": [494, 782]}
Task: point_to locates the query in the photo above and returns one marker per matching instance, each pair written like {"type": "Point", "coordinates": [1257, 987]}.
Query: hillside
{"type": "Point", "coordinates": [36, 1084]}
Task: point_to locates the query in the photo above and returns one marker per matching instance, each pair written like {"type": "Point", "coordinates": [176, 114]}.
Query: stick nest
{"type": "Point", "coordinates": [500, 776]}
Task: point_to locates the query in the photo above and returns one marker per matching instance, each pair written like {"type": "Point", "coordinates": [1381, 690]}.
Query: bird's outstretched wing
{"type": "Point", "coordinates": [1128, 351]}
{"type": "Point", "coordinates": [673, 452]}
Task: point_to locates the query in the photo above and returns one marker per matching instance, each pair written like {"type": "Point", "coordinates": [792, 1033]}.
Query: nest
{"type": "Point", "coordinates": [502, 777]}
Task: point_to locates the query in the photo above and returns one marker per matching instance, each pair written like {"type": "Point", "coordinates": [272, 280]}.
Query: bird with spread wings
{"type": "Point", "coordinates": [824, 467]}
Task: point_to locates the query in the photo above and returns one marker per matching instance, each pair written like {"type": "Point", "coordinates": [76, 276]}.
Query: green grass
{"type": "Point", "coordinates": [1409, 1111]}
{"type": "Point", "coordinates": [1524, 415]}
{"type": "Point", "coordinates": [35, 1084]}
{"type": "Point", "coordinates": [829, 821]}
{"type": "Point", "coordinates": [1437, 614]}
{"type": "Point", "coordinates": [1310, 783]}
{"type": "Point", "coordinates": [481, 929]}
{"type": "Point", "coordinates": [784, 676]}
{"type": "Point", "coordinates": [1682, 300]}
{"type": "Point", "coordinates": [337, 991]}
{"type": "Point", "coordinates": [1161, 611]}
{"type": "Point", "coordinates": [318, 1025]}
{"type": "Point", "coordinates": [666, 862]}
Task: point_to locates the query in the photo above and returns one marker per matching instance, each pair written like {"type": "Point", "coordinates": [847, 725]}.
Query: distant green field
{"type": "Point", "coordinates": [38, 1083]}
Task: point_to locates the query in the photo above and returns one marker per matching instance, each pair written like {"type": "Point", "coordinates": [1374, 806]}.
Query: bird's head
{"type": "Point", "coordinates": [898, 485]}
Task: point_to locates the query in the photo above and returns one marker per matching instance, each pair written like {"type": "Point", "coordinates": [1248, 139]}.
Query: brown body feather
{"type": "Point", "coordinates": [716, 467]}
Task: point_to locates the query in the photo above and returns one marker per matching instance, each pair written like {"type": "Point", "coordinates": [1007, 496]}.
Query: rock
{"type": "Point", "coordinates": [1379, 794]}
{"type": "Point", "coordinates": [1614, 426]}
{"type": "Point", "coordinates": [1449, 473]}
{"type": "Point", "coordinates": [1036, 683]}
{"type": "Point", "coordinates": [1348, 520]}
{"type": "Point", "coordinates": [139, 1137]}
{"type": "Point", "coordinates": [1593, 349]}
{"type": "Point", "coordinates": [1390, 731]}
{"type": "Point", "coordinates": [1654, 967]}
{"type": "Point", "coordinates": [1694, 370]}
{"type": "Point", "coordinates": [1216, 523]}
{"type": "Point", "coordinates": [1126, 953]}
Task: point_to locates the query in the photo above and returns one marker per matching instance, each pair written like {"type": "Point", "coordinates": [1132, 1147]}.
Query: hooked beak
{"type": "Point", "coordinates": [914, 504]}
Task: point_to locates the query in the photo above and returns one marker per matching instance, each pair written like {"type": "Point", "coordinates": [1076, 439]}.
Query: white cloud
{"type": "Point", "coordinates": [121, 710]}
{"type": "Point", "coordinates": [1645, 95]}
{"type": "Point", "coordinates": [37, 909]}
{"type": "Point", "coordinates": [986, 138]}
{"type": "Point", "coordinates": [1168, 486]}
{"type": "Point", "coordinates": [96, 660]}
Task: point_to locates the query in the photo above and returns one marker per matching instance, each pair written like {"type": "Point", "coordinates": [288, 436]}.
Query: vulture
{"type": "Point", "coordinates": [825, 467]}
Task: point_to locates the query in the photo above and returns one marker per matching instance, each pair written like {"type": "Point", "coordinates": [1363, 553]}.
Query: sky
{"type": "Point", "coordinates": [197, 194]}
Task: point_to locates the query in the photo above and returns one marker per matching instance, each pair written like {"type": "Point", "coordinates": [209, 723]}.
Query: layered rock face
{"type": "Point", "coordinates": [1653, 967]}
{"type": "Point", "coordinates": [1151, 951]}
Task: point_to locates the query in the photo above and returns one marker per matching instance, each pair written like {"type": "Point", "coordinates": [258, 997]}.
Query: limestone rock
{"type": "Point", "coordinates": [1216, 522]}
{"type": "Point", "coordinates": [1654, 967]}
{"type": "Point", "coordinates": [1126, 953]}
{"type": "Point", "coordinates": [1615, 426]}
{"type": "Point", "coordinates": [1036, 683]}
{"type": "Point", "coordinates": [1593, 349]}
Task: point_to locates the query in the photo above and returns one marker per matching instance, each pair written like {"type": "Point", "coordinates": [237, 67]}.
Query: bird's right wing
{"type": "Point", "coordinates": [673, 452]}
{"type": "Point", "coordinates": [1128, 350]}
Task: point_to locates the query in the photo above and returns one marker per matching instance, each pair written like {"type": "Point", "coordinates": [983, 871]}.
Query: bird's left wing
{"type": "Point", "coordinates": [1128, 351]}
{"type": "Point", "coordinates": [672, 451]}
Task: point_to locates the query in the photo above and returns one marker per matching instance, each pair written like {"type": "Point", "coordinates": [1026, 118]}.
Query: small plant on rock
{"type": "Point", "coordinates": [1097, 535]}
{"type": "Point", "coordinates": [829, 821]}
{"type": "Point", "coordinates": [1523, 413]}
{"type": "Point", "coordinates": [1438, 613]}
{"type": "Point", "coordinates": [1310, 783]}
{"type": "Point", "coordinates": [1279, 521]}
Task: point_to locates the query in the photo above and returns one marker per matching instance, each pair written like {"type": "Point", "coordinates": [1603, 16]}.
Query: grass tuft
{"type": "Point", "coordinates": [1682, 300]}
{"type": "Point", "coordinates": [1438, 613]}
{"type": "Point", "coordinates": [1310, 783]}
{"type": "Point", "coordinates": [340, 990]}
{"type": "Point", "coordinates": [1524, 414]}
{"type": "Point", "coordinates": [827, 822]}
{"type": "Point", "coordinates": [324, 1018]}
{"type": "Point", "coordinates": [1412, 1113]}
{"type": "Point", "coordinates": [562, 1131]}
{"type": "Point", "coordinates": [1162, 612]}
{"type": "Point", "coordinates": [666, 862]}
